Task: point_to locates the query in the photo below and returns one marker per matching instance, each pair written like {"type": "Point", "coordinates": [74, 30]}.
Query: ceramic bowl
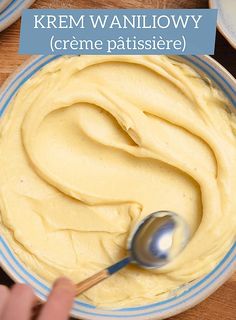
{"type": "Point", "coordinates": [11, 10]}
{"type": "Point", "coordinates": [226, 21]}
{"type": "Point", "coordinates": [192, 293]}
{"type": "Point", "coordinates": [4, 4]}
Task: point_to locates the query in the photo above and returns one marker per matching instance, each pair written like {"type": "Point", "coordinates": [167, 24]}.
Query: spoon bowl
{"type": "Point", "coordinates": [158, 239]}
{"type": "Point", "coordinates": [154, 242]}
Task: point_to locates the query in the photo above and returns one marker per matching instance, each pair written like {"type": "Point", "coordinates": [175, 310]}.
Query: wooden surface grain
{"type": "Point", "coordinates": [221, 304]}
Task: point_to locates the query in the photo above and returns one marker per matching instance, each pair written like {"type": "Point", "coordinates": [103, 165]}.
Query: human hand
{"type": "Point", "coordinates": [18, 303]}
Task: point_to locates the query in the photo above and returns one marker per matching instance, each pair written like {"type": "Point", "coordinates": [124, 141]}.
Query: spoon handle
{"type": "Point", "coordinates": [101, 275]}
{"type": "Point", "coordinates": [89, 282]}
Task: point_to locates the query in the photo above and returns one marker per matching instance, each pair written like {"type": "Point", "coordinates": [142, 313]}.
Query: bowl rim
{"type": "Point", "coordinates": [13, 11]}
{"type": "Point", "coordinates": [213, 4]}
{"type": "Point", "coordinates": [4, 4]}
{"type": "Point", "coordinates": [7, 255]}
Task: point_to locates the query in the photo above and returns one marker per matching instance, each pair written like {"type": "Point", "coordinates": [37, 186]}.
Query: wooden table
{"type": "Point", "coordinates": [222, 304]}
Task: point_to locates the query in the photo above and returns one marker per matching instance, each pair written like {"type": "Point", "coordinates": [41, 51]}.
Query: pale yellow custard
{"type": "Point", "coordinates": [92, 144]}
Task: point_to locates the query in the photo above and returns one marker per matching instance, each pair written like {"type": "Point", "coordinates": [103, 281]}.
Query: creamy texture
{"type": "Point", "coordinates": [91, 145]}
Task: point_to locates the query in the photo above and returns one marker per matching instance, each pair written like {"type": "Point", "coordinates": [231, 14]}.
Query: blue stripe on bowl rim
{"type": "Point", "coordinates": [201, 285]}
{"type": "Point", "coordinates": [12, 12]}
{"type": "Point", "coordinates": [196, 291]}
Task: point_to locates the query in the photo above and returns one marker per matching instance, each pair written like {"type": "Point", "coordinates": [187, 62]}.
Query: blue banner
{"type": "Point", "coordinates": [124, 31]}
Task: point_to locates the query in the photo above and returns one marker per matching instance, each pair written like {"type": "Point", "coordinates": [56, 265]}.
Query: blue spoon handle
{"type": "Point", "coordinates": [101, 275]}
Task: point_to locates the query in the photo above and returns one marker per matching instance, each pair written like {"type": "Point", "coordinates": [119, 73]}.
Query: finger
{"type": "Point", "coordinates": [4, 294]}
{"type": "Point", "coordinates": [59, 302]}
{"type": "Point", "coordinates": [19, 304]}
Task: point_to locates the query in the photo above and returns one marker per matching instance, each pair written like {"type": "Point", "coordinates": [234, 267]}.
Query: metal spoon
{"type": "Point", "coordinates": [154, 242]}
